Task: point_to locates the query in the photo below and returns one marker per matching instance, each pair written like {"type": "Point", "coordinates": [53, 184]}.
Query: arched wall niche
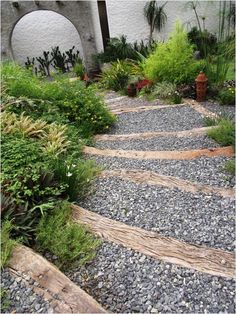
{"type": "Point", "coordinates": [77, 12]}
{"type": "Point", "coordinates": [47, 30]}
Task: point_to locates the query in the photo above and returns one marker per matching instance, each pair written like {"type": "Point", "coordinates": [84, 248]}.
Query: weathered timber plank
{"type": "Point", "coordinates": [143, 108]}
{"type": "Point", "coordinates": [204, 259]}
{"type": "Point", "coordinates": [152, 178]}
{"type": "Point", "coordinates": [171, 155]}
{"type": "Point", "coordinates": [71, 298]}
{"type": "Point", "coordinates": [200, 109]}
{"type": "Point", "coordinates": [124, 137]}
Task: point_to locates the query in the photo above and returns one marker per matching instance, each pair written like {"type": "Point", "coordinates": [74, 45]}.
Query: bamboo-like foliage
{"type": "Point", "coordinates": [24, 124]}
{"type": "Point", "coordinates": [52, 135]}
{"type": "Point", "coordinates": [55, 140]}
{"type": "Point", "coordinates": [156, 17]}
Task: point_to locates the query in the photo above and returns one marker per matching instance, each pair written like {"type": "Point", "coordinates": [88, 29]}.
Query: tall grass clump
{"type": "Point", "coordinates": [70, 242]}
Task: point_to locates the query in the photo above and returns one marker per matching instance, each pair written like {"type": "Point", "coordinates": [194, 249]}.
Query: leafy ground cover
{"type": "Point", "coordinates": [44, 126]}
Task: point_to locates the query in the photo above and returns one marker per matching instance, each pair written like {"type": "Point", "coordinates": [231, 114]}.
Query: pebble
{"type": "Point", "coordinates": [160, 143]}
{"type": "Point", "coordinates": [19, 297]}
{"type": "Point", "coordinates": [154, 290]}
{"type": "Point", "coordinates": [170, 212]}
{"type": "Point", "coordinates": [164, 119]}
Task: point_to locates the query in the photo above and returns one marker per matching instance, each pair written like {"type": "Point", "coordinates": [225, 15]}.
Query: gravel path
{"type": "Point", "coordinates": [204, 170]}
{"type": "Point", "coordinates": [19, 297]}
{"type": "Point", "coordinates": [221, 110]}
{"type": "Point", "coordinates": [170, 212]}
{"type": "Point", "coordinates": [161, 143]}
{"type": "Point", "coordinates": [165, 119]}
{"type": "Point", "coordinates": [124, 281]}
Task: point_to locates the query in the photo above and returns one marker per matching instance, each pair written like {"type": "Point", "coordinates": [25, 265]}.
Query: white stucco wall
{"type": "Point", "coordinates": [39, 31]}
{"type": "Point", "coordinates": [126, 17]}
{"type": "Point", "coordinates": [42, 30]}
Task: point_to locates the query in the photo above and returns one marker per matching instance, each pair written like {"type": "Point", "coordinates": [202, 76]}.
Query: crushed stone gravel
{"type": "Point", "coordinates": [125, 281]}
{"type": "Point", "coordinates": [161, 143]}
{"type": "Point", "coordinates": [19, 297]}
{"type": "Point", "coordinates": [194, 218]}
{"type": "Point", "coordinates": [205, 170]}
{"type": "Point", "coordinates": [164, 119]}
{"type": "Point", "coordinates": [228, 111]}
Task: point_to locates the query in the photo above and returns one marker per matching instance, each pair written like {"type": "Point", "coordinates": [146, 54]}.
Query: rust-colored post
{"type": "Point", "coordinates": [201, 86]}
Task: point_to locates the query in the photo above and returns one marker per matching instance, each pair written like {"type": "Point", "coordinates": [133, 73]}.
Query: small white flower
{"type": "Point", "coordinates": [69, 174]}
{"type": "Point", "coordinates": [73, 165]}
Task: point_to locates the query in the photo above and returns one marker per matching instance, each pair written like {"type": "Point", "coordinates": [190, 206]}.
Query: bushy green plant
{"type": "Point", "coordinates": [70, 242]}
{"type": "Point", "coordinates": [204, 41]}
{"type": "Point", "coordinates": [117, 76]}
{"type": "Point", "coordinates": [164, 90]}
{"type": "Point", "coordinates": [224, 134]}
{"type": "Point", "coordinates": [227, 96]}
{"type": "Point", "coordinates": [25, 170]}
{"type": "Point", "coordinates": [71, 100]}
{"type": "Point", "coordinates": [117, 49]}
{"type": "Point", "coordinates": [7, 244]}
{"type": "Point", "coordinates": [172, 61]}
{"type": "Point", "coordinates": [79, 69]}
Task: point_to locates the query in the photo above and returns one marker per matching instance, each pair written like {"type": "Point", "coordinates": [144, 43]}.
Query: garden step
{"type": "Point", "coordinates": [152, 155]}
{"type": "Point", "coordinates": [126, 281]}
{"type": "Point", "coordinates": [160, 119]}
{"type": "Point", "coordinates": [145, 135]}
{"type": "Point", "coordinates": [194, 217]}
{"type": "Point", "coordinates": [204, 170]}
{"type": "Point", "coordinates": [201, 258]}
{"type": "Point", "coordinates": [58, 289]}
{"type": "Point", "coordinates": [160, 143]}
{"type": "Point", "coordinates": [152, 178]}
{"type": "Point", "coordinates": [137, 109]}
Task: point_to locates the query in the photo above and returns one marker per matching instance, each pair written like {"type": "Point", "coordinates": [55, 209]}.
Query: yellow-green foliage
{"type": "Point", "coordinates": [53, 135]}
{"type": "Point", "coordinates": [172, 61]}
{"type": "Point", "coordinates": [55, 139]}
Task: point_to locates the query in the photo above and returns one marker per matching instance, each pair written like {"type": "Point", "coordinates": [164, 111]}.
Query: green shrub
{"type": "Point", "coordinates": [70, 242]}
{"type": "Point", "coordinates": [119, 49]}
{"type": "Point", "coordinates": [71, 100]}
{"type": "Point", "coordinates": [172, 61]}
{"type": "Point", "coordinates": [7, 244]}
{"type": "Point", "coordinates": [230, 167]}
{"type": "Point", "coordinates": [204, 41]}
{"type": "Point", "coordinates": [164, 90]}
{"type": "Point", "coordinates": [227, 96]}
{"type": "Point", "coordinates": [224, 134]}
{"type": "Point", "coordinates": [79, 69]}
{"type": "Point", "coordinates": [26, 174]}
{"type": "Point", "coordinates": [117, 76]}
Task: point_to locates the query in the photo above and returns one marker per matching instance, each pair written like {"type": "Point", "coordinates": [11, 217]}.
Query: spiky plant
{"type": "Point", "coordinates": [24, 124]}
{"type": "Point", "coordinates": [155, 16]}
{"type": "Point", "coordinates": [56, 140]}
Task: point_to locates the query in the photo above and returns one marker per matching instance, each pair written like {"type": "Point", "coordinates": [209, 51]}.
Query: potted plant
{"type": "Point", "coordinates": [132, 90]}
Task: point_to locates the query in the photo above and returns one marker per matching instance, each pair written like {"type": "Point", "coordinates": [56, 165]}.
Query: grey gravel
{"type": "Point", "coordinates": [164, 119]}
{"type": "Point", "coordinates": [194, 218]}
{"type": "Point", "coordinates": [125, 281]}
{"type": "Point", "coordinates": [19, 297]}
{"type": "Point", "coordinates": [205, 170]}
{"type": "Point", "coordinates": [228, 111]}
{"type": "Point", "coordinates": [161, 143]}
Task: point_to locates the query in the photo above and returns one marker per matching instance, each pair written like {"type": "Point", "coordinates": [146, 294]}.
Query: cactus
{"type": "Point", "coordinates": [59, 59]}
{"type": "Point", "coordinates": [44, 63]}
